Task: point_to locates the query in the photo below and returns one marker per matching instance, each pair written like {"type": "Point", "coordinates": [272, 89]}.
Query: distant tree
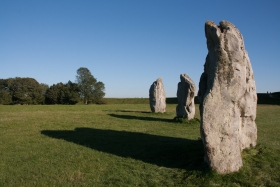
{"type": "Point", "coordinates": [73, 93]}
{"type": "Point", "coordinates": [44, 88]}
{"type": "Point", "coordinates": [52, 94]}
{"type": "Point", "coordinates": [25, 91]}
{"type": "Point", "coordinates": [5, 96]}
{"type": "Point", "coordinates": [63, 93]}
{"type": "Point", "coordinates": [98, 92]}
{"type": "Point", "coordinates": [90, 89]}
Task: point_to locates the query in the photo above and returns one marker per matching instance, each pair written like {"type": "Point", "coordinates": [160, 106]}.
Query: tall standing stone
{"type": "Point", "coordinates": [185, 95]}
{"type": "Point", "coordinates": [228, 98]}
{"type": "Point", "coordinates": [157, 96]}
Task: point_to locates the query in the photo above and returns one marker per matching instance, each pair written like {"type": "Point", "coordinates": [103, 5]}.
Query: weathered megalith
{"type": "Point", "coordinates": [185, 95]}
{"type": "Point", "coordinates": [228, 98]}
{"type": "Point", "coordinates": [157, 96]}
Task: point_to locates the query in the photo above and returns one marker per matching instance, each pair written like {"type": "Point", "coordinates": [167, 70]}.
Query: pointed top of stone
{"type": "Point", "coordinates": [159, 79]}
{"type": "Point", "coordinates": [185, 78]}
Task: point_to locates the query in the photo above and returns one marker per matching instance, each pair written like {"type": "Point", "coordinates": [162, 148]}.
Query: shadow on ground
{"type": "Point", "coordinates": [134, 111]}
{"type": "Point", "coordinates": [163, 151]}
{"type": "Point", "coordinates": [141, 118]}
{"type": "Point", "coordinates": [137, 111]}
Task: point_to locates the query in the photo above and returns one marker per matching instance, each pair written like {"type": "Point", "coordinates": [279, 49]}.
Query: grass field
{"type": "Point", "coordinates": [122, 145]}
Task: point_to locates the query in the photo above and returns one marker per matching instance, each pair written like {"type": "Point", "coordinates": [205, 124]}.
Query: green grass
{"type": "Point", "coordinates": [122, 145]}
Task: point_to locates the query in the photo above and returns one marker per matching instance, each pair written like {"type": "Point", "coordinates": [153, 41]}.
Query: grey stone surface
{"type": "Point", "coordinates": [228, 98]}
{"type": "Point", "coordinates": [185, 95]}
{"type": "Point", "coordinates": [157, 96]}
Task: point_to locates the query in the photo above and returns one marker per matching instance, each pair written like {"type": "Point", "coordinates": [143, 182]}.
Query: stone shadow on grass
{"type": "Point", "coordinates": [162, 151]}
{"type": "Point", "coordinates": [134, 111]}
{"type": "Point", "coordinates": [141, 118]}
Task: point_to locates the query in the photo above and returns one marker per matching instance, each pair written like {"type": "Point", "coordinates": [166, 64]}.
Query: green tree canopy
{"type": "Point", "coordinates": [98, 92]}
{"type": "Point", "coordinates": [44, 88]}
{"type": "Point", "coordinates": [90, 89]}
{"type": "Point", "coordinates": [72, 93]}
{"type": "Point", "coordinates": [5, 96]}
{"type": "Point", "coordinates": [63, 93]}
{"type": "Point", "coordinates": [20, 91]}
{"type": "Point", "coordinates": [25, 91]}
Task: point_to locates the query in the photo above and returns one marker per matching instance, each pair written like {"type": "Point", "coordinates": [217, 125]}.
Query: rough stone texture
{"type": "Point", "coordinates": [228, 99]}
{"type": "Point", "coordinates": [185, 95]}
{"type": "Point", "coordinates": [157, 96]}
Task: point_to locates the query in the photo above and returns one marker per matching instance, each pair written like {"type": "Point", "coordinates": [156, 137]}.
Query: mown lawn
{"type": "Point", "coordinates": [122, 145]}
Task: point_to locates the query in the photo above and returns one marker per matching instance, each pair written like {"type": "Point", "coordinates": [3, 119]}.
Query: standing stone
{"type": "Point", "coordinates": [228, 99]}
{"type": "Point", "coordinates": [157, 96]}
{"type": "Point", "coordinates": [185, 95]}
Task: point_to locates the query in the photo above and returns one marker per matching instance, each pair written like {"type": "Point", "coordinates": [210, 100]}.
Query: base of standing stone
{"type": "Point", "coordinates": [185, 120]}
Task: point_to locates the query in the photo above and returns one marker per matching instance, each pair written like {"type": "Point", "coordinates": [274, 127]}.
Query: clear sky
{"type": "Point", "coordinates": [128, 44]}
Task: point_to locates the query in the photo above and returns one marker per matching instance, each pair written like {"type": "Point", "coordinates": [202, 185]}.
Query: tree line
{"type": "Point", "coordinates": [29, 91]}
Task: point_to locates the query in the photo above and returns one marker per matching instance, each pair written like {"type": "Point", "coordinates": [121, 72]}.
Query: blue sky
{"type": "Point", "coordinates": [128, 44]}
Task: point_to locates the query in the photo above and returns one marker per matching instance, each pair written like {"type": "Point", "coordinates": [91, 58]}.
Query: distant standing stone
{"type": "Point", "coordinates": [228, 98]}
{"type": "Point", "coordinates": [157, 96]}
{"type": "Point", "coordinates": [185, 95]}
